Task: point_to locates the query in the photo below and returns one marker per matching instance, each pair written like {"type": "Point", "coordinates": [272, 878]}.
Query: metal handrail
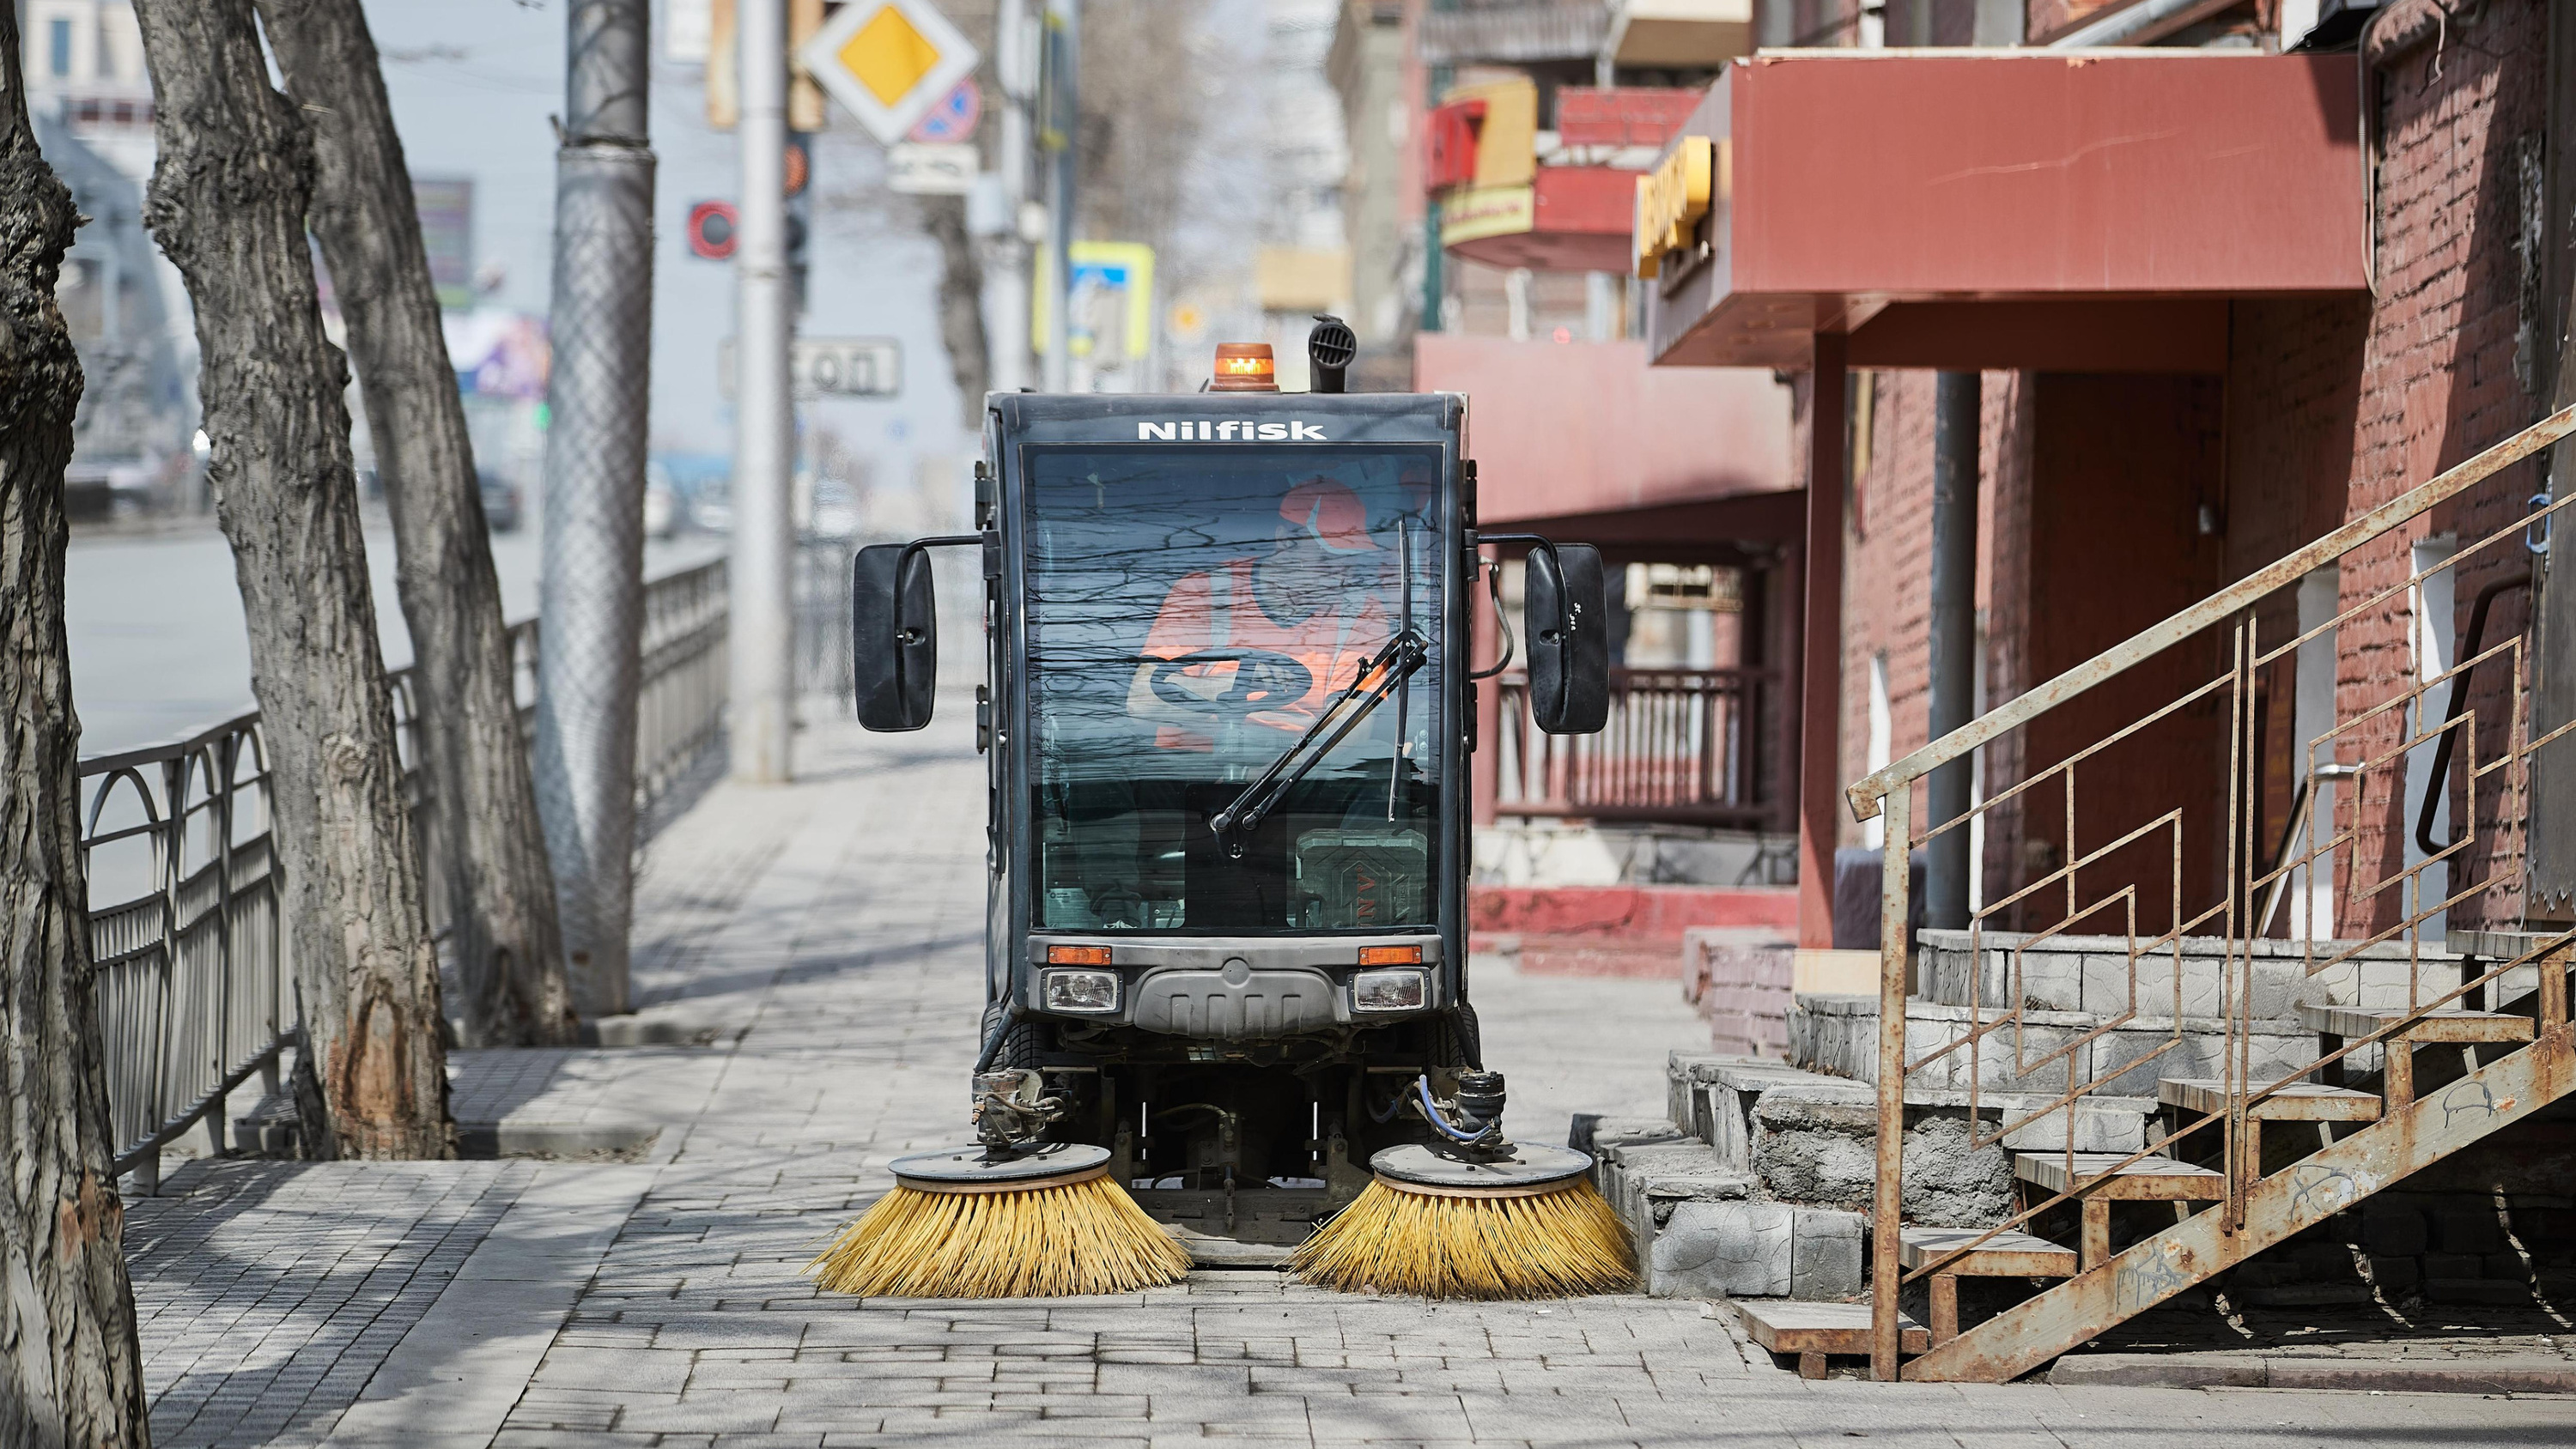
{"type": "Point", "coordinates": [191, 968]}
{"type": "Point", "coordinates": [2250, 873]}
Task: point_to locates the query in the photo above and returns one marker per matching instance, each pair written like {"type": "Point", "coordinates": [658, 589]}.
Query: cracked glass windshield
{"type": "Point", "coordinates": [1192, 611]}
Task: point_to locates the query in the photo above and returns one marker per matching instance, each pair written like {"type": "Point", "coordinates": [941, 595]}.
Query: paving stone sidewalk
{"type": "Point", "coordinates": [833, 929]}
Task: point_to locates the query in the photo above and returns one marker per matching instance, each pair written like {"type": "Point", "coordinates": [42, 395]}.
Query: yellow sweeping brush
{"type": "Point", "coordinates": [1553, 1238]}
{"type": "Point", "coordinates": [1042, 1223]}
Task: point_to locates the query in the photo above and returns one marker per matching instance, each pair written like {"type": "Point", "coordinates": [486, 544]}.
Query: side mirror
{"type": "Point", "coordinates": [1568, 623]}
{"type": "Point", "coordinates": [894, 636]}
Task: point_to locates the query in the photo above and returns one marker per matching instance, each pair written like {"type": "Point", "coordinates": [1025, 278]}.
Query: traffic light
{"type": "Point", "coordinates": [800, 214]}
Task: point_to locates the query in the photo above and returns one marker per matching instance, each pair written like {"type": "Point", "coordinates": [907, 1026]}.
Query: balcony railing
{"type": "Point", "coordinates": [194, 987]}
{"type": "Point", "coordinates": [1683, 746]}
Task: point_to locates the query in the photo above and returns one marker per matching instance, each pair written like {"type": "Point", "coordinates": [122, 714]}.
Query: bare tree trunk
{"type": "Point", "coordinates": [227, 203]}
{"type": "Point", "coordinates": [508, 949]}
{"type": "Point", "coordinates": [70, 1372]}
{"type": "Point", "coordinates": [961, 302]}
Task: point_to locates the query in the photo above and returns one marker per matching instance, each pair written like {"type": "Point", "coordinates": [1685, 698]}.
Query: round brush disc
{"type": "Point", "coordinates": [966, 1169]}
{"type": "Point", "coordinates": [1530, 1170]}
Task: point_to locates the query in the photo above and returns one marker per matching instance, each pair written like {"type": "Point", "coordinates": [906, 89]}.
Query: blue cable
{"type": "Point", "coordinates": [1431, 1114]}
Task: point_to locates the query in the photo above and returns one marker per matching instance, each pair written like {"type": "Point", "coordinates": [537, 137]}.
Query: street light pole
{"type": "Point", "coordinates": [1006, 252]}
{"type": "Point", "coordinates": [763, 646]}
{"type": "Point", "coordinates": [1064, 26]}
{"type": "Point", "coordinates": [591, 595]}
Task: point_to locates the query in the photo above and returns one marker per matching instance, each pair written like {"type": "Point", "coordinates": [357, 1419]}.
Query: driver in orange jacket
{"type": "Point", "coordinates": [1268, 640]}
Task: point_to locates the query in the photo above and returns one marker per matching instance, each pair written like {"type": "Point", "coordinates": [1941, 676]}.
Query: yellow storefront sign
{"type": "Point", "coordinates": [1482, 211]}
{"type": "Point", "coordinates": [1673, 197]}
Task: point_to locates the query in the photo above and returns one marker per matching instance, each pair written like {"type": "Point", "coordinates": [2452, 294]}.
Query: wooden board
{"type": "Point", "coordinates": [2451, 1026]}
{"type": "Point", "coordinates": [2149, 1179]}
{"type": "Point", "coordinates": [2005, 1255]}
{"type": "Point", "coordinates": [1792, 1325]}
{"type": "Point", "coordinates": [2297, 1102]}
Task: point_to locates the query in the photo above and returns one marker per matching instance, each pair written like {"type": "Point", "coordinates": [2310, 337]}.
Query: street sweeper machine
{"type": "Point", "coordinates": [1228, 724]}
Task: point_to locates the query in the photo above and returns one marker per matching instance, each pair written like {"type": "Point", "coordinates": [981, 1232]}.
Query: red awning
{"type": "Point", "coordinates": [2070, 210]}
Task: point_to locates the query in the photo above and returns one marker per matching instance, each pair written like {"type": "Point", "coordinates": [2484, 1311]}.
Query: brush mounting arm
{"type": "Point", "coordinates": [1012, 1108]}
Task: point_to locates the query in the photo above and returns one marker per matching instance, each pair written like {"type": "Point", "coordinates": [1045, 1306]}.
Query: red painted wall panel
{"type": "Point", "coordinates": [1587, 427]}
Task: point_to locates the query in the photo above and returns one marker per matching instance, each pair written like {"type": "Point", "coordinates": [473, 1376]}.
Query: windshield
{"type": "Point", "coordinates": [1191, 612]}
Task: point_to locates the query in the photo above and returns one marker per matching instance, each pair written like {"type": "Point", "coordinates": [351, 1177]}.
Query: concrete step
{"type": "Point", "coordinates": [2107, 976]}
{"type": "Point", "coordinates": [1838, 1035]}
{"type": "Point", "coordinates": [1718, 1100]}
{"type": "Point", "coordinates": [1700, 1233]}
{"type": "Point", "coordinates": [1803, 1137]}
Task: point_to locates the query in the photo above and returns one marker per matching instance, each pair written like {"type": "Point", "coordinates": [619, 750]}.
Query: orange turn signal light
{"type": "Point", "coordinates": [1077, 955]}
{"type": "Point", "coordinates": [1390, 955]}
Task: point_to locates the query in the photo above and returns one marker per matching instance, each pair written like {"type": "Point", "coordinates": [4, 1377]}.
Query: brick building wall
{"type": "Point", "coordinates": [1887, 574]}
{"type": "Point", "coordinates": [2457, 127]}
{"type": "Point", "coordinates": [1887, 566]}
{"type": "Point", "coordinates": [2293, 389]}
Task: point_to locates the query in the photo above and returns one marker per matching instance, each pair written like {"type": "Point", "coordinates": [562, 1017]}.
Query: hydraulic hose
{"type": "Point", "coordinates": [993, 1042]}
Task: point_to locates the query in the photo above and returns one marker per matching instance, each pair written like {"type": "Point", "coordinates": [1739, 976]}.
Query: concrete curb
{"type": "Point", "coordinates": [2505, 1374]}
{"type": "Point", "coordinates": [676, 1026]}
{"type": "Point", "coordinates": [552, 1139]}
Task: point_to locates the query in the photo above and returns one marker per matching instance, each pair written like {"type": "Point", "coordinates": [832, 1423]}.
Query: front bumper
{"type": "Point", "coordinates": [1237, 988]}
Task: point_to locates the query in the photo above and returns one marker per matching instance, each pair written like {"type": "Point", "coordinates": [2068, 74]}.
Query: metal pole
{"type": "Point", "coordinates": [1006, 254]}
{"type": "Point", "coordinates": [763, 647]}
{"type": "Point", "coordinates": [1064, 25]}
{"type": "Point", "coordinates": [1887, 1214]}
{"type": "Point", "coordinates": [592, 591]}
{"type": "Point", "coordinates": [1954, 637]}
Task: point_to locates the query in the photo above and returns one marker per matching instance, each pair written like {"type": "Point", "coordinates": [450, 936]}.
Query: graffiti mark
{"type": "Point", "coordinates": [2321, 1190]}
{"type": "Point", "coordinates": [2152, 1279]}
{"type": "Point", "coordinates": [2472, 1098]}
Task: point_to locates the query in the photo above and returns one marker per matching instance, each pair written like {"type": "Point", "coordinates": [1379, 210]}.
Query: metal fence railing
{"type": "Point", "coordinates": [1684, 746]}
{"type": "Point", "coordinates": [194, 986]}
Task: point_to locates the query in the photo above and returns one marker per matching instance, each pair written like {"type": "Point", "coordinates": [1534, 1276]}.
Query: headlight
{"type": "Point", "coordinates": [1389, 991]}
{"type": "Point", "coordinates": [1080, 990]}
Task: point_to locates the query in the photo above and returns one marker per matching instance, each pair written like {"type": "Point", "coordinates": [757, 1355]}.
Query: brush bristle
{"type": "Point", "coordinates": [1046, 1242]}
{"type": "Point", "coordinates": [1559, 1244]}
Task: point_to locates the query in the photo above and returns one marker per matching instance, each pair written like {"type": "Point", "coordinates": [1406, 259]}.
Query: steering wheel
{"type": "Point", "coordinates": [1263, 679]}
{"type": "Point", "coordinates": [1119, 906]}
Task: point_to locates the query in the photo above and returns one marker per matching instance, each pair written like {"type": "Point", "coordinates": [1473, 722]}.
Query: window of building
{"type": "Point", "coordinates": [58, 38]}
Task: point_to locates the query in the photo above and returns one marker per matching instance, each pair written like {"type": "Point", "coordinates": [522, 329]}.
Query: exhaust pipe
{"type": "Point", "coordinates": [1329, 350]}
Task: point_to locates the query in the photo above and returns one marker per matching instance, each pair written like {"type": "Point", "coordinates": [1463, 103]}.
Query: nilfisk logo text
{"type": "Point", "coordinates": [1229, 431]}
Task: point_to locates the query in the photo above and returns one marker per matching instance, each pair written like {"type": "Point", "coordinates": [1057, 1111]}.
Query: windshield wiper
{"type": "Point", "coordinates": [1394, 664]}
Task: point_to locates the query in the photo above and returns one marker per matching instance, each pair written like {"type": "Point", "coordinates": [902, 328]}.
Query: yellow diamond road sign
{"type": "Point", "coordinates": [888, 62]}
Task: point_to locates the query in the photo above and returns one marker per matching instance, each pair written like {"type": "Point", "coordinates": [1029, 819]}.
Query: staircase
{"type": "Point", "coordinates": [2408, 1133]}
{"type": "Point", "coordinates": [2294, 1079]}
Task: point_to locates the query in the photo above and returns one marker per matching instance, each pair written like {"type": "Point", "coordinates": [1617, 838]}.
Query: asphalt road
{"type": "Point", "coordinates": [157, 640]}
